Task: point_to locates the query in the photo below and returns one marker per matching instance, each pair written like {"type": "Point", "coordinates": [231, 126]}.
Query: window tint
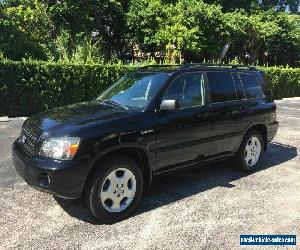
{"type": "Point", "coordinates": [221, 86]}
{"type": "Point", "coordinates": [188, 89]}
{"type": "Point", "coordinates": [252, 86]}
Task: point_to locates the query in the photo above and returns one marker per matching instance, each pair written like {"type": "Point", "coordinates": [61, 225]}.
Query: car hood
{"type": "Point", "coordinates": [75, 116]}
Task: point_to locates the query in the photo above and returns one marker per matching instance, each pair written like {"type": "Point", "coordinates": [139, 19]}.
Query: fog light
{"type": "Point", "coordinates": [44, 180]}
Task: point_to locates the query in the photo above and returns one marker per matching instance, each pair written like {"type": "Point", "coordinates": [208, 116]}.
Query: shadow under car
{"type": "Point", "coordinates": [175, 187]}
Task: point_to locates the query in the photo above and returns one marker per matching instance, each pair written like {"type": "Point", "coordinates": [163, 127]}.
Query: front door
{"type": "Point", "coordinates": [183, 136]}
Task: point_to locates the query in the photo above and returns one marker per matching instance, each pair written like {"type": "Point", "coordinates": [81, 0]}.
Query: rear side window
{"type": "Point", "coordinates": [252, 86]}
{"type": "Point", "coordinates": [222, 87]}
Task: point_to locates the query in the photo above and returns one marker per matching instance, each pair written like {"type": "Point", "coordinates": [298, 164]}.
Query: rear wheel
{"type": "Point", "coordinates": [115, 190]}
{"type": "Point", "coordinates": [250, 152]}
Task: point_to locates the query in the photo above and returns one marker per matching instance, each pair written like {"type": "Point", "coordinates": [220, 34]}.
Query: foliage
{"type": "Point", "coordinates": [78, 46]}
{"type": "Point", "coordinates": [250, 5]}
{"type": "Point", "coordinates": [144, 19]}
{"type": "Point", "coordinates": [104, 20]}
{"type": "Point", "coordinates": [268, 34]}
{"type": "Point", "coordinates": [85, 50]}
{"type": "Point", "coordinates": [181, 28]}
{"type": "Point", "coordinates": [254, 31]}
{"type": "Point", "coordinates": [197, 30]}
{"type": "Point", "coordinates": [28, 87]}
{"type": "Point", "coordinates": [283, 82]}
{"type": "Point", "coordinates": [25, 30]}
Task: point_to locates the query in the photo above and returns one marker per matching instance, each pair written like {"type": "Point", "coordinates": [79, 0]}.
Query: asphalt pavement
{"type": "Point", "coordinates": [205, 208]}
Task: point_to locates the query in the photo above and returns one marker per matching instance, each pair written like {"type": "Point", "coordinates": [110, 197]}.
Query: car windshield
{"type": "Point", "coordinates": [134, 90]}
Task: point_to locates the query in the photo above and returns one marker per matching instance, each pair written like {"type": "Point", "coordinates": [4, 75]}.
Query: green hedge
{"type": "Point", "coordinates": [30, 87]}
{"type": "Point", "coordinates": [283, 82]}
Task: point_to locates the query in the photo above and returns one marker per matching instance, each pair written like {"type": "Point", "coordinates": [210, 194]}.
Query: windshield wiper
{"type": "Point", "coordinates": [116, 104]}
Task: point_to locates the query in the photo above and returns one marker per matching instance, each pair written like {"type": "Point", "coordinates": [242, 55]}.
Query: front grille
{"type": "Point", "coordinates": [28, 141]}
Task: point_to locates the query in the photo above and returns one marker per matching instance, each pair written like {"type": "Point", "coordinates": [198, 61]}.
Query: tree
{"type": "Point", "coordinates": [27, 30]}
{"type": "Point", "coordinates": [253, 5]}
{"type": "Point", "coordinates": [174, 30]}
{"type": "Point", "coordinates": [104, 20]}
{"type": "Point", "coordinates": [266, 37]}
{"type": "Point", "coordinates": [207, 20]}
{"type": "Point", "coordinates": [186, 29]}
{"type": "Point", "coordinates": [177, 35]}
{"type": "Point", "coordinates": [144, 19]}
{"type": "Point", "coordinates": [283, 47]}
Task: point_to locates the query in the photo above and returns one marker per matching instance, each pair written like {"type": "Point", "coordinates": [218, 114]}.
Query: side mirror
{"type": "Point", "coordinates": [169, 105]}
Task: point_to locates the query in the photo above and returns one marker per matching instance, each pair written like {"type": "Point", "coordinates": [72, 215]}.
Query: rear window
{"type": "Point", "coordinates": [222, 87]}
{"type": "Point", "coordinates": [252, 87]}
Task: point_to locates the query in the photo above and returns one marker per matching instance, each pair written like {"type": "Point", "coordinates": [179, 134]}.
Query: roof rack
{"type": "Point", "coordinates": [233, 66]}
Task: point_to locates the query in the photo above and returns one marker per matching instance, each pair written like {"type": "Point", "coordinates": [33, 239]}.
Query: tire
{"type": "Point", "coordinates": [109, 196]}
{"type": "Point", "coordinates": [249, 155]}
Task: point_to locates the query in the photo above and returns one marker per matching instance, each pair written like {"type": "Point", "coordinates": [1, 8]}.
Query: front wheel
{"type": "Point", "coordinates": [115, 191]}
{"type": "Point", "coordinates": [250, 152]}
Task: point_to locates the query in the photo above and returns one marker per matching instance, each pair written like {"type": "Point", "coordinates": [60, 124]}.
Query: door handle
{"type": "Point", "coordinates": [234, 112]}
{"type": "Point", "coordinates": [202, 116]}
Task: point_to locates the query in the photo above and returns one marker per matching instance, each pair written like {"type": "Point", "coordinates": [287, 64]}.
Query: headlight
{"type": "Point", "coordinates": [63, 148]}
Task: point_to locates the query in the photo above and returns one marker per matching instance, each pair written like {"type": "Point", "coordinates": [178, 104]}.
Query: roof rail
{"type": "Point", "coordinates": [160, 66]}
{"type": "Point", "coordinates": [233, 66]}
{"type": "Point", "coordinates": [190, 65]}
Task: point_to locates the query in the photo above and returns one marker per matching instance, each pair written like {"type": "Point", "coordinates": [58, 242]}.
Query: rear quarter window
{"type": "Point", "coordinates": [252, 86]}
{"type": "Point", "coordinates": [222, 87]}
{"type": "Point", "coordinates": [238, 86]}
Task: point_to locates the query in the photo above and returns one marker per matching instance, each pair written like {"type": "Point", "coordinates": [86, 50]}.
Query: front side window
{"type": "Point", "coordinates": [222, 87]}
{"type": "Point", "coordinates": [134, 90]}
{"type": "Point", "coordinates": [252, 86]}
{"type": "Point", "coordinates": [187, 89]}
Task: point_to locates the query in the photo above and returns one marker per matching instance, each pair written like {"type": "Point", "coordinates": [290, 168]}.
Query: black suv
{"type": "Point", "coordinates": [151, 122]}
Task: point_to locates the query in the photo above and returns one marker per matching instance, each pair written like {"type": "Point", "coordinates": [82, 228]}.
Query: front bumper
{"type": "Point", "coordinates": [272, 130]}
{"type": "Point", "coordinates": [62, 178]}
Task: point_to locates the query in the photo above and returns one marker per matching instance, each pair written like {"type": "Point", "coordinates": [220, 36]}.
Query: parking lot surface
{"type": "Point", "coordinates": [206, 208]}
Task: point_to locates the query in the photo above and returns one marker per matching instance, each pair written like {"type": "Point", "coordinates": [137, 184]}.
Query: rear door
{"type": "Point", "coordinates": [227, 113]}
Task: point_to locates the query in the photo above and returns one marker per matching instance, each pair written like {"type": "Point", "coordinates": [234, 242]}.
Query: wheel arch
{"type": "Point", "coordinates": [262, 128]}
{"type": "Point", "coordinates": [137, 154]}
